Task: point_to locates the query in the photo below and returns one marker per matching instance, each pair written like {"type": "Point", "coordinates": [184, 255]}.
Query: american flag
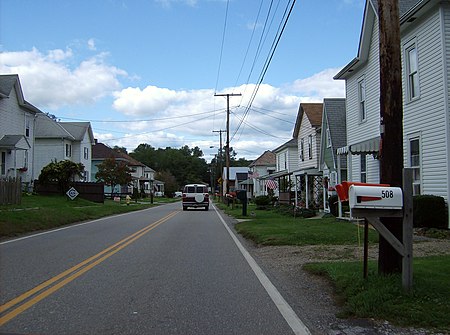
{"type": "Point", "coordinates": [272, 184]}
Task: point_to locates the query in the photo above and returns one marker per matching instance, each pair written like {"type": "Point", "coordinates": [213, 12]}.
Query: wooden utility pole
{"type": "Point", "coordinates": [220, 159]}
{"type": "Point", "coordinates": [227, 148]}
{"type": "Point", "coordinates": [391, 123]}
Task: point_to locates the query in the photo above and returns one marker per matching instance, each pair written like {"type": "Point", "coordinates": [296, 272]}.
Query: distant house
{"type": "Point", "coordinates": [281, 181]}
{"type": "Point", "coordinates": [307, 176]}
{"type": "Point", "coordinates": [263, 166]}
{"type": "Point", "coordinates": [17, 124]}
{"type": "Point", "coordinates": [333, 136]}
{"type": "Point", "coordinates": [237, 175]}
{"type": "Point", "coordinates": [63, 141]}
{"type": "Point", "coordinates": [143, 177]}
{"type": "Point", "coordinates": [425, 48]}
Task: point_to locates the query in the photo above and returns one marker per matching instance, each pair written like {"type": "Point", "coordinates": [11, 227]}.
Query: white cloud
{"type": "Point", "coordinates": [49, 82]}
{"type": "Point", "coordinates": [320, 85]}
{"type": "Point", "coordinates": [91, 44]}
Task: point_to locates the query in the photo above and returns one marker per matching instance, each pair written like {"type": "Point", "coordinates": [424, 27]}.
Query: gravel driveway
{"type": "Point", "coordinates": [312, 296]}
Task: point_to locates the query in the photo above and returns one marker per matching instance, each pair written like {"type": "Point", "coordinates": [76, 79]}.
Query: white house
{"type": "Point", "coordinates": [17, 124]}
{"type": "Point", "coordinates": [425, 46]}
{"type": "Point", "coordinates": [307, 176]}
{"type": "Point", "coordinates": [263, 166]}
{"type": "Point", "coordinates": [63, 140]}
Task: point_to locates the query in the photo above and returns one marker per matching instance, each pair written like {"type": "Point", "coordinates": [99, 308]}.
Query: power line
{"type": "Point", "coordinates": [221, 48]}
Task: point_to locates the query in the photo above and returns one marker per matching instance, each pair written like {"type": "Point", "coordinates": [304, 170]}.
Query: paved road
{"type": "Point", "coordinates": [158, 271]}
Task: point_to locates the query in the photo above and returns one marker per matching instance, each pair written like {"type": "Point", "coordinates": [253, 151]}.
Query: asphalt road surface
{"type": "Point", "coordinates": [158, 271]}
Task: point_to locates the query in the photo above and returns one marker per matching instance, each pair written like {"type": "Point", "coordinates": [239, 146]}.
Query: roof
{"type": "Point", "coordinates": [49, 128]}
{"type": "Point", "coordinates": [313, 112]}
{"type": "Point", "coordinates": [267, 158]}
{"type": "Point", "coordinates": [235, 170]}
{"type": "Point", "coordinates": [101, 151]}
{"type": "Point", "coordinates": [335, 117]}
{"type": "Point", "coordinates": [407, 8]}
{"type": "Point", "coordinates": [78, 129]}
{"type": "Point", "coordinates": [14, 142]}
{"type": "Point", "coordinates": [10, 81]}
{"type": "Point", "coordinates": [289, 144]}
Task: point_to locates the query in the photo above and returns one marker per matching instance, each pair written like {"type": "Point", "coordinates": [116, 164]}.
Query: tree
{"type": "Point", "coordinates": [170, 182]}
{"type": "Point", "coordinates": [113, 173]}
{"type": "Point", "coordinates": [62, 172]}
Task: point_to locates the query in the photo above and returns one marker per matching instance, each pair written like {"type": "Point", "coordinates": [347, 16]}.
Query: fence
{"type": "Point", "coordinates": [10, 191]}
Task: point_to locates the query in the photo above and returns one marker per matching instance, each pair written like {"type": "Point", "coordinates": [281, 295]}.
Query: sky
{"type": "Point", "coordinates": [149, 71]}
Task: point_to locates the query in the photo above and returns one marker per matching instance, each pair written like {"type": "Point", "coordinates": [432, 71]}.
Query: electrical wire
{"type": "Point", "coordinates": [221, 48]}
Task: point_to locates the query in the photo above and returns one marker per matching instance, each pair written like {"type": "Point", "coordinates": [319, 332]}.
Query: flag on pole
{"type": "Point", "coordinates": [271, 184]}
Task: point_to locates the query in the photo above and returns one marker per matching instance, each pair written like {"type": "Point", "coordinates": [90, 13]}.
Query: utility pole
{"type": "Point", "coordinates": [220, 158]}
{"type": "Point", "coordinates": [391, 125]}
{"type": "Point", "coordinates": [227, 151]}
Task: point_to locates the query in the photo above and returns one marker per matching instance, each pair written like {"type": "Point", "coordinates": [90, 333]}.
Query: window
{"type": "Point", "coordinates": [414, 163]}
{"type": "Point", "coordinates": [310, 145]}
{"type": "Point", "coordinates": [86, 153]}
{"type": "Point", "coordinates": [68, 150]}
{"type": "Point", "coordinates": [285, 160]}
{"type": "Point", "coordinates": [412, 72]}
{"type": "Point", "coordinates": [328, 138]}
{"type": "Point", "coordinates": [362, 100]}
{"type": "Point", "coordinates": [363, 169]}
{"type": "Point", "coordinates": [3, 163]}
{"type": "Point", "coordinates": [302, 149]}
{"type": "Point", "coordinates": [27, 127]}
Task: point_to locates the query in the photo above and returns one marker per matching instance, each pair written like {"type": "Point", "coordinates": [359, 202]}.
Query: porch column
{"type": "Point", "coordinates": [295, 191]}
{"type": "Point", "coordinates": [307, 190]}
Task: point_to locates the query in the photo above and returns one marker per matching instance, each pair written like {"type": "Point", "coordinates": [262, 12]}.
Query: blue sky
{"type": "Point", "coordinates": [146, 71]}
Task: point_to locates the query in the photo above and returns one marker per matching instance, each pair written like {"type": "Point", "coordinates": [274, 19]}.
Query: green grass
{"type": "Point", "coordinates": [378, 297]}
{"type": "Point", "coordinates": [382, 297]}
{"type": "Point", "coordinates": [267, 227]}
{"type": "Point", "coordinates": [46, 212]}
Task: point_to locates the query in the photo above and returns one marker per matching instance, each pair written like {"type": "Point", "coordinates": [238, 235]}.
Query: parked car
{"type": "Point", "coordinates": [159, 194]}
{"type": "Point", "coordinates": [178, 194]}
{"type": "Point", "coordinates": [195, 195]}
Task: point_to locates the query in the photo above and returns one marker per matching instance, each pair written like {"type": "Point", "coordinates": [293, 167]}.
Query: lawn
{"type": "Point", "coordinates": [45, 212]}
{"type": "Point", "coordinates": [379, 297]}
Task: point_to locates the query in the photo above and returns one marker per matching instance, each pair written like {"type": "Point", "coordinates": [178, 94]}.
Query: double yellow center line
{"type": "Point", "coordinates": [52, 285]}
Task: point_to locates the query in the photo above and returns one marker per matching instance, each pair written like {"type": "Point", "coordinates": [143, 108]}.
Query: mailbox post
{"type": "Point", "coordinates": [372, 201]}
{"type": "Point", "coordinates": [242, 196]}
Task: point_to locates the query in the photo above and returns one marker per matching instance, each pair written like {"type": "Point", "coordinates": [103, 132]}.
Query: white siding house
{"type": "Point", "coordinates": [263, 166]}
{"type": "Point", "coordinates": [17, 124]}
{"type": "Point", "coordinates": [63, 140]}
{"type": "Point", "coordinates": [307, 177]}
{"type": "Point", "coordinates": [425, 46]}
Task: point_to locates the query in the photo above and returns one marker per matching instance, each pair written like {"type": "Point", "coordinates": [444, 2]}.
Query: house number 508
{"type": "Point", "coordinates": [387, 194]}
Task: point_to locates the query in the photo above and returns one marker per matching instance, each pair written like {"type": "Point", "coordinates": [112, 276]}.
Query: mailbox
{"type": "Point", "coordinates": [375, 197]}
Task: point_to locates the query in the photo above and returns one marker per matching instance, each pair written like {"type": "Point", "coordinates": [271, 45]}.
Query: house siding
{"type": "Point", "coordinates": [370, 128]}
{"type": "Point", "coordinates": [426, 116]}
{"type": "Point", "coordinates": [13, 120]}
{"type": "Point", "coordinates": [47, 150]}
{"type": "Point", "coordinates": [306, 130]}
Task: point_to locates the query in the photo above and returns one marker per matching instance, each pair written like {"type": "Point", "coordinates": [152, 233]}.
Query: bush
{"type": "Point", "coordinates": [305, 212]}
{"type": "Point", "coordinates": [429, 211]}
{"type": "Point", "coordinates": [262, 201]}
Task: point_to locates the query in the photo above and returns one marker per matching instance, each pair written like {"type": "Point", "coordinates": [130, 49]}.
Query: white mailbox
{"type": "Point", "coordinates": [375, 197]}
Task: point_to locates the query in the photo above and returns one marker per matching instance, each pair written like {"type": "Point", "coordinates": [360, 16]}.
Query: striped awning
{"type": "Point", "coordinates": [371, 146]}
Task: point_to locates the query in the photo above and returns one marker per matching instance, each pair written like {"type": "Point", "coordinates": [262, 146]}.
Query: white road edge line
{"type": "Point", "coordinates": [297, 326]}
{"type": "Point", "coordinates": [66, 227]}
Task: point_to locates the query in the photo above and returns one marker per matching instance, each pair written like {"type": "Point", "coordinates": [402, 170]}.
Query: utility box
{"type": "Point", "coordinates": [375, 197]}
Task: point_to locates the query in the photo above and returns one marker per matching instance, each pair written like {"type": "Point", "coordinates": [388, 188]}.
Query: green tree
{"type": "Point", "coordinates": [113, 173]}
{"type": "Point", "coordinates": [170, 182]}
{"type": "Point", "coordinates": [62, 172]}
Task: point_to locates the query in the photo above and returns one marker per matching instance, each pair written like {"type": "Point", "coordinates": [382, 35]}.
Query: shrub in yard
{"type": "Point", "coordinates": [262, 201]}
{"type": "Point", "coordinates": [305, 212]}
{"type": "Point", "coordinates": [429, 211]}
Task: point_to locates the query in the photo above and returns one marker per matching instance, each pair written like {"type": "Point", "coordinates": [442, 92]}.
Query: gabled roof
{"type": "Point", "coordinates": [19, 142]}
{"type": "Point", "coordinates": [313, 112]}
{"type": "Point", "coordinates": [334, 118]}
{"type": "Point", "coordinates": [10, 81]}
{"type": "Point", "coordinates": [48, 128]}
{"type": "Point", "coordinates": [101, 151]}
{"type": "Point", "coordinates": [289, 144]}
{"type": "Point", "coordinates": [78, 129]}
{"type": "Point", "coordinates": [266, 159]}
{"type": "Point", "coordinates": [407, 9]}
